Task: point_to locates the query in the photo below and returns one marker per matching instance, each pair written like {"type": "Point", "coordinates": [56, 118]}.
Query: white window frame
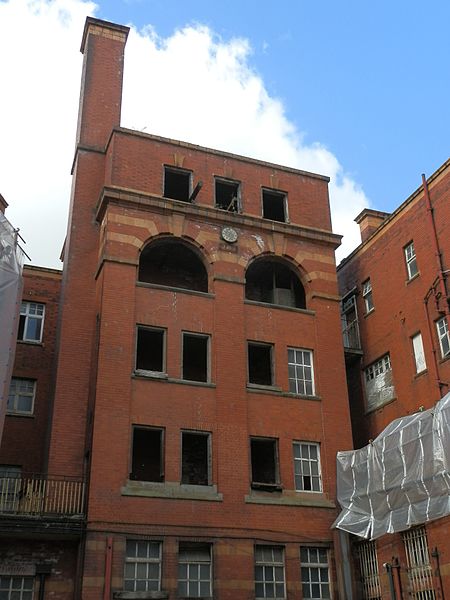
{"type": "Point", "coordinates": [32, 311]}
{"type": "Point", "coordinates": [411, 261]}
{"type": "Point", "coordinates": [368, 296]}
{"type": "Point", "coordinates": [377, 392]}
{"type": "Point", "coordinates": [20, 387]}
{"type": "Point", "coordinates": [270, 577]}
{"type": "Point", "coordinates": [419, 353]}
{"type": "Point", "coordinates": [443, 336]}
{"type": "Point", "coordinates": [139, 564]}
{"type": "Point", "coordinates": [193, 566]}
{"type": "Point", "coordinates": [307, 466]}
{"type": "Point", "coordinates": [23, 591]}
{"type": "Point", "coordinates": [314, 559]}
{"type": "Point", "coordinates": [299, 383]}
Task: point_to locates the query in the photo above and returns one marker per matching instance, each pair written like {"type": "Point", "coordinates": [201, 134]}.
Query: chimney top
{"type": "Point", "coordinates": [369, 221]}
{"type": "Point", "coordinates": [103, 28]}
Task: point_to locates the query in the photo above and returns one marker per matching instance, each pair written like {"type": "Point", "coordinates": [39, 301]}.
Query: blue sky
{"type": "Point", "coordinates": [369, 80]}
{"type": "Point", "coordinates": [354, 90]}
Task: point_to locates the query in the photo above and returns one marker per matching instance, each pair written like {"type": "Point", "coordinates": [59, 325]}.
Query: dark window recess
{"type": "Point", "coordinates": [227, 195]}
{"type": "Point", "coordinates": [147, 461]}
{"type": "Point", "coordinates": [172, 263]}
{"type": "Point", "coordinates": [275, 283]}
{"type": "Point", "coordinates": [195, 459]}
{"type": "Point", "coordinates": [195, 357]}
{"type": "Point", "coordinates": [150, 349]}
{"type": "Point", "coordinates": [177, 184]}
{"type": "Point", "coordinates": [264, 463]}
{"type": "Point", "coordinates": [260, 364]}
{"type": "Point", "coordinates": [274, 205]}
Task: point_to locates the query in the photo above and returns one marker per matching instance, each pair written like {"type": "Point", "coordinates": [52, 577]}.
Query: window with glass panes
{"type": "Point", "coordinates": [367, 295]}
{"type": "Point", "coordinates": [269, 572]}
{"type": "Point", "coordinates": [21, 396]}
{"type": "Point", "coordinates": [194, 571]}
{"type": "Point", "coordinates": [315, 573]}
{"type": "Point", "coordinates": [301, 375]}
{"type": "Point", "coordinates": [410, 258]}
{"type": "Point", "coordinates": [307, 467]}
{"type": "Point", "coordinates": [16, 588]}
{"type": "Point", "coordinates": [31, 321]}
{"type": "Point", "coordinates": [142, 566]}
{"type": "Point", "coordinates": [444, 337]}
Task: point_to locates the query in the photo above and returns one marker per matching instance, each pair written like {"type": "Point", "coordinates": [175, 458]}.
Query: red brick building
{"type": "Point", "coordinates": [200, 388]}
{"type": "Point", "coordinates": [395, 319]}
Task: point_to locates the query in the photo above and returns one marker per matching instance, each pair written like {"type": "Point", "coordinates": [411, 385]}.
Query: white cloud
{"type": "Point", "coordinates": [191, 86]}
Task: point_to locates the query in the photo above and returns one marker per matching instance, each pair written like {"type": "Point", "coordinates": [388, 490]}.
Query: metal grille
{"type": "Point", "coordinates": [420, 575]}
{"type": "Point", "coordinates": [368, 567]}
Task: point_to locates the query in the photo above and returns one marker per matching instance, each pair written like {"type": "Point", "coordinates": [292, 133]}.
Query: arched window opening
{"type": "Point", "coordinates": [273, 282]}
{"type": "Point", "coordinates": [172, 263]}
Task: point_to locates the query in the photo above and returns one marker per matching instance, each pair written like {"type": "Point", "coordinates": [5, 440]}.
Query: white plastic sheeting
{"type": "Point", "coordinates": [399, 480]}
{"type": "Point", "coordinates": [11, 260]}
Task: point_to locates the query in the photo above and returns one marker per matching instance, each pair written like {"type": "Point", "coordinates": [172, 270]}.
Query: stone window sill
{"type": "Point", "coordinates": [171, 489]}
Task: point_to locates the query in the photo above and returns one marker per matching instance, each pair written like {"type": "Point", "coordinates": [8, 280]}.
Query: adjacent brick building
{"type": "Point", "coordinates": [396, 337]}
{"type": "Point", "coordinates": [200, 389]}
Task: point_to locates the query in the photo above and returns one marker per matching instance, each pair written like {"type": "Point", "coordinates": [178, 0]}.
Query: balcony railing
{"type": "Point", "coordinates": [41, 496]}
{"type": "Point", "coordinates": [350, 332]}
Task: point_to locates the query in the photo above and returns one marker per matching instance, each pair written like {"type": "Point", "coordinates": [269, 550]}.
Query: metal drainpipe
{"type": "Point", "coordinates": [108, 568]}
{"type": "Point", "coordinates": [397, 579]}
{"type": "Point", "coordinates": [435, 554]}
{"type": "Point", "coordinates": [433, 348]}
{"type": "Point", "coordinates": [388, 568]}
{"type": "Point", "coordinates": [437, 251]}
{"type": "Point", "coordinates": [42, 570]}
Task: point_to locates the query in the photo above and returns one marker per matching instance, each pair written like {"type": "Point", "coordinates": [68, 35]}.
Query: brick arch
{"type": "Point", "coordinates": [174, 262]}
{"type": "Point", "coordinates": [275, 280]}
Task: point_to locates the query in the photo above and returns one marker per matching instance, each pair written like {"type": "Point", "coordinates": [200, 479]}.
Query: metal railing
{"type": "Point", "coordinates": [42, 495]}
{"type": "Point", "coordinates": [350, 332]}
{"type": "Point", "coordinates": [420, 572]}
{"type": "Point", "coordinates": [368, 567]}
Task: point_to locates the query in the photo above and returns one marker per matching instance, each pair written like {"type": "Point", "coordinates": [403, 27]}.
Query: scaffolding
{"type": "Point", "coordinates": [11, 262]}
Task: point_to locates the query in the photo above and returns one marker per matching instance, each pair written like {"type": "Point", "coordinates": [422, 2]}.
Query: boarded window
{"type": "Point", "coordinates": [150, 349]}
{"type": "Point", "coordinates": [259, 363]}
{"type": "Point", "coordinates": [274, 205]}
{"type": "Point", "coordinates": [195, 458]}
{"type": "Point", "coordinates": [147, 455]}
{"type": "Point", "coordinates": [379, 383]}
{"type": "Point", "coordinates": [177, 184]}
{"type": "Point", "coordinates": [419, 354]}
{"type": "Point", "coordinates": [195, 357]}
{"type": "Point", "coordinates": [264, 457]}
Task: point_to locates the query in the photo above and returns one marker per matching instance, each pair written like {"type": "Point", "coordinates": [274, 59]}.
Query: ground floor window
{"type": "Point", "coordinates": [194, 570]}
{"type": "Point", "coordinates": [420, 575]}
{"type": "Point", "coordinates": [142, 566]}
{"type": "Point", "coordinates": [16, 588]}
{"type": "Point", "coordinates": [315, 573]}
{"type": "Point", "coordinates": [368, 569]}
{"type": "Point", "coordinates": [269, 572]}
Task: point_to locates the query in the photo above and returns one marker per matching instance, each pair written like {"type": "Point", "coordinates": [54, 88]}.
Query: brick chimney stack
{"type": "Point", "coordinates": [103, 47]}
{"type": "Point", "coordinates": [369, 221]}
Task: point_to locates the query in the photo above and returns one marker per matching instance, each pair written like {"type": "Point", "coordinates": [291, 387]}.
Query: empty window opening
{"type": "Point", "coordinates": [171, 263]}
{"type": "Point", "coordinates": [177, 184]}
{"type": "Point", "coordinates": [142, 571]}
{"type": "Point", "coordinates": [195, 357]}
{"type": "Point", "coordinates": [147, 457]}
{"type": "Point", "coordinates": [31, 321]}
{"type": "Point", "coordinates": [260, 364]}
{"type": "Point", "coordinates": [273, 282]}
{"type": "Point", "coordinates": [274, 205]}
{"type": "Point", "coordinates": [195, 458]}
{"type": "Point", "coordinates": [227, 195]}
{"type": "Point", "coordinates": [194, 571]}
{"type": "Point", "coordinates": [264, 457]}
{"type": "Point", "coordinates": [150, 350]}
